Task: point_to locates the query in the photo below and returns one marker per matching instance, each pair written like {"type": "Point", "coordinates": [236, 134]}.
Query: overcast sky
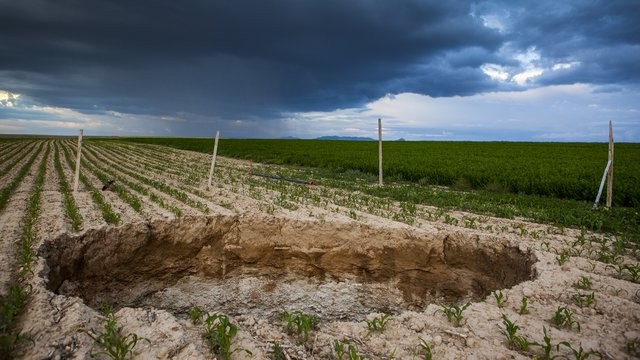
{"type": "Point", "coordinates": [544, 70]}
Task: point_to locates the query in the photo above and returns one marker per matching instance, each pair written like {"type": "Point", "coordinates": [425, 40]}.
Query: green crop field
{"type": "Point", "coordinates": [559, 170]}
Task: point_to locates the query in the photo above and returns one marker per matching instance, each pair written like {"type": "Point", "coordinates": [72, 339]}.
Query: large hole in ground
{"type": "Point", "coordinates": [263, 265]}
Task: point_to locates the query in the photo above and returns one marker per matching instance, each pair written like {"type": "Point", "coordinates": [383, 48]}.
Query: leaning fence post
{"type": "Point", "coordinates": [213, 159]}
{"type": "Point", "coordinates": [610, 173]}
{"type": "Point", "coordinates": [77, 175]}
{"type": "Point", "coordinates": [379, 151]}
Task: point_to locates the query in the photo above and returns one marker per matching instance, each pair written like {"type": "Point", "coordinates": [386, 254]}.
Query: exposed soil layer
{"type": "Point", "coordinates": [247, 265]}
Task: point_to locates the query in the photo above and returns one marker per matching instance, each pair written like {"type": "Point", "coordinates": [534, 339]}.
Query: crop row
{"type": "Point", "coordinates": [12, 304]}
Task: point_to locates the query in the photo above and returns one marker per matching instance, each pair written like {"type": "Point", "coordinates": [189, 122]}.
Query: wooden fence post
{"type": "Point", "coordinates": [77, 175]}
{"type": "Point", "coordinates": [213, 159]}
{"type": "Point", "coordinates": [379, 151]}
{"type": "Point", "coordinates": [610, 173]}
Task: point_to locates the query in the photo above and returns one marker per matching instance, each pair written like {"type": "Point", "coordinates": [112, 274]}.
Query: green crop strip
{"type": "Point", "coordinates": [70, 207]}
{"type": "Point", "coordinates": [107, 212]}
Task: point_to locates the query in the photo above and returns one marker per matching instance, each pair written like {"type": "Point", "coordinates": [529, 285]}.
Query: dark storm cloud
{"type": "Point", "coordinates": [255, 59]}
{"type": "Point", "coordinates": [603, 36]}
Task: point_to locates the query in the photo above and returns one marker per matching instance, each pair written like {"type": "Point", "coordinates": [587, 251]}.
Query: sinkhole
{"type": "Point", "coordinates": [260, 266]}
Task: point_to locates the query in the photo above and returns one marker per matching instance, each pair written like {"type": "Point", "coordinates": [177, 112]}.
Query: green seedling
{"type": "Point", "coordinates": [634, 272]}
{"type": "Point", "coordinates": [448, 219]}
{"type": "Point", "coordinates": [454, 313]}
{"type": "Point", "coordinates": [10, 306]}
{"type": "Point", "coordinates": [195, 314]}
{"type": "Point", "coordinates": [277, 352]}
{"type": "Point", "coordinates": [546, 346]}
{"type": "Point", "coordinates": [584, 283]}
{"type": "Point", "coordinates": [524, 303]}
{"type": "Point", "coordinates": [580, 353]}
{"type": "Point", "coordinates": [633, 347]}
{"type": "Point", "coordinates": [563, 317]}
{"type": "Point", "coordinates": [345, 347]}
{"type": "Point", "coordinates": [219, 334]}
{"type": "Point", "coordinates": [583, 300]}
{"type": "Point", "coordinates": [426, 349]}
{"type": "Point", "coordinates": [562, 257]}
{"type": "Point", "coordinates": [353, 353]}
{"type": "Point", "coordinates": [607, 257]}
{"type": "Point", "coordinates": [615, 291]}
{"type": "Point", "coordinates": [339, 348]}
{"type": "Point", "coordinates": [378, 323]}
{"type": "Point", "coordinates": [299, 324]}
{"type": "Point", "coordinates": [515, 341]}
{"type": "Point", "coordinates": [111, 341]}
{"type": "Point", "coordinates": [501, 299]}
{"type": "Point", "coordinates": [618, 268]}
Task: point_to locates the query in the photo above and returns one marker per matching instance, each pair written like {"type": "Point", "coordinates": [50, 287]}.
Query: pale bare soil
{"type": "Point", "coordinates": [266, 246]}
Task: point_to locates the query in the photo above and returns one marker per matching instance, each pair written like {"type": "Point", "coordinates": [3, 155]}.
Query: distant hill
{"type": "Point", "coordinates": [351, 138]}
{"type": "Point", "coordinates": [290, 138]}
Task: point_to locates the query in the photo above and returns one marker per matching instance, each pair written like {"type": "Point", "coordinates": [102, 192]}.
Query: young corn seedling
{"type": "Point", "coordinates": [339, 348]}
{"type": "Point", "coordinates": [563, 317]}
{"type": "Point", "coordinates": [10, 306]}
{"type": "Point", "coordinates": [633, 347]}
{"type": "Point", "coordinates": [562, 257]}
{"type": "Point", "coordinates": [219, 334]}
{"type": "Point", "coordinates": [277, 352]}
{"type": "Point", "coordinates": [426, 349]}
{"type": "Point", "coordinates": [546, 346]}
{"type": "Point", "coordinates": [454, 313]}
{"type": "Point", "coordinates": [583, 300]}
{"type": "Point", "coordinates": [345, 347]}
{"type": "Point", "coordinates": [195, 314]}
{"type": "Point", "coordinates": [584, 283]}
{"type": "Point", "coordinates": [299, 324]}
{"type": "Point", "coordinates": [524, 303]}
{"type": "Point", "coordinates": [515, 341]}
{"type": "Point", "coordinates": [579, 353]}
{"type": "Point", "coordinates": [634, 272]}
{"type": "Point", "coordinates": [113, 343]}
{"type": "Point", "coordinates": [501, 299]}
{"type": "Point", "coordinates": [378, 323]}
